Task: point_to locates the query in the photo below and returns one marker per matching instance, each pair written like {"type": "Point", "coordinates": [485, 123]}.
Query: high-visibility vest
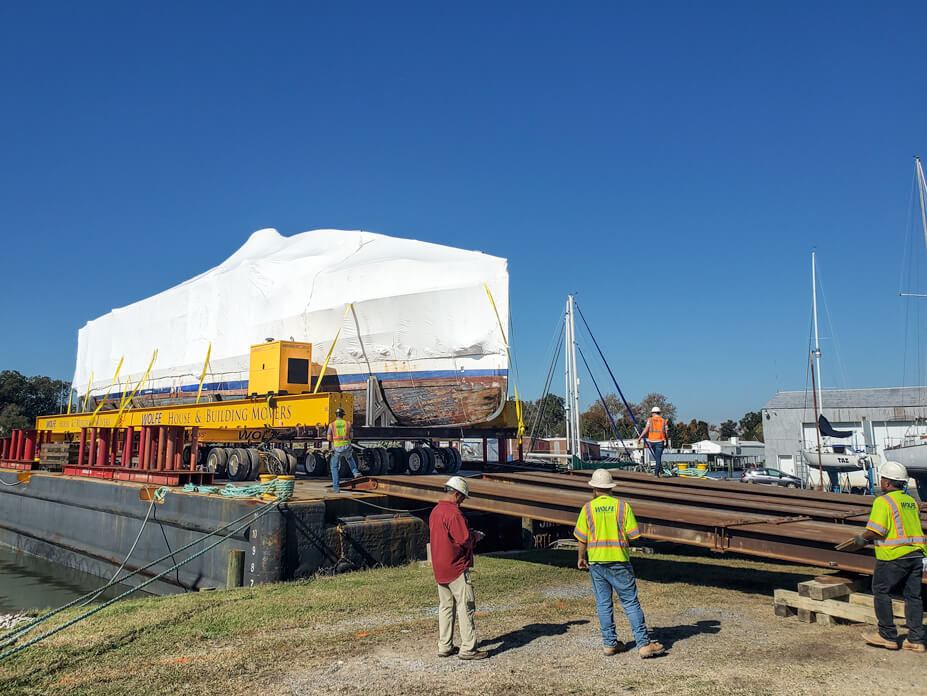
{"type": "Point", "coordinates": [339, 432]}
{"type": "Point", "coordinates": [896, 520]}
{"type": "Point", "coordinates": [657, 432]}
{"type": "Point", "coordinates": [605, 525]}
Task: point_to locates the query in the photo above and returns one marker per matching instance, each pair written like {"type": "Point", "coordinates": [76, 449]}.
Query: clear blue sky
{"type": "Point", "coordinates": [673, 164]}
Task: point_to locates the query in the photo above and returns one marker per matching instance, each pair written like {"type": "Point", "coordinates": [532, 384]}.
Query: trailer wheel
{"type": "Point", "coordinates": [444, 461]}
{"type": "Point", "coordinates": [216, 462]}
{"type": "Point", "coordinates": [291, 460]}
{"type": "Point", "coordinates": [367, 462]}
{"type": "Point", "coordinates": [418, 461]}
{"type": "Point", "coordinates": [458, 459]}
{"type": "Point", "coordinates": [397, 459]}
{"type": "Point", "coordinates": [239, 465]}
{"type": "Point", "coordinates": [430, 453]}
{"type": "Point", "coordinates": [314, 464]}
{"type": "Point", "coordinates": [278, 463]}
{"type": "Point", "coordinates": [254, 459]}
{"type": "Point", "coordinates": [382, 460]}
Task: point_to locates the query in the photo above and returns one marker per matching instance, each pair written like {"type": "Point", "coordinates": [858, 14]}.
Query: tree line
{"type": "Point", "coordinates": [22, 399]}
{"type": "Point", "coordinates": [546, 417]}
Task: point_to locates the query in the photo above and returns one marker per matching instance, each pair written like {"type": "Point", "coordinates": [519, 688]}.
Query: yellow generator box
{"type": "Point", "coordinates": [280, 367]}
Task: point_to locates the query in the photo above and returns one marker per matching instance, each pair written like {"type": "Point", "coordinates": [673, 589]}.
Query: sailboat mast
{"type": "Point", "coordinates": [572, 385]}
{"type": "Point", "coordinates": [817, 347]}
{"type": "Point", "coordinates": [921, 194]}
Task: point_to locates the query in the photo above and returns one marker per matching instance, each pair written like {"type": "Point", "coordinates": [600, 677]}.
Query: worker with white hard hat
{"type": "Point", "coordinates": [894, 528]}
{"type": "Point", "coordinates": [452, 543]}
{"type": "Point", "coordinates": [603, 530]}
{"type": "Point", "coordinates": [655, 434]}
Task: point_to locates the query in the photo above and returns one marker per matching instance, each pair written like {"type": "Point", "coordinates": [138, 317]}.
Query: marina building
{"type": "Point", "coordinates": [878, 418]}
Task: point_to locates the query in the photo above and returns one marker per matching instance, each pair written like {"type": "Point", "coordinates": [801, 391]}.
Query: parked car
{"type": "Point", "coordinates": [770, 476]}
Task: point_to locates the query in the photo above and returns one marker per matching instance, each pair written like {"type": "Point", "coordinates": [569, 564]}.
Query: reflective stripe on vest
{"type": "Point", "coordinates": [339, 429]}
{"type": "Point", "coordinates": [657, 429]}
{"type": "Point", "coordinates": [620, 543]}
{"type": "Point", "coordinates": [898, 536]}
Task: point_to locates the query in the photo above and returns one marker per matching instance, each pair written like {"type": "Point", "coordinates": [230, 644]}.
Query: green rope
{"type": "Point", "coordinates": [12, 636]}
{"type": "Point", "coordinates": [12, 651]}
{"type": "Point", "coordinates": [282, 489]}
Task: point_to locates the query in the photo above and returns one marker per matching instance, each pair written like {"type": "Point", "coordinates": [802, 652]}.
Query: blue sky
{"type": "Point", "coordinates": [673, 164]}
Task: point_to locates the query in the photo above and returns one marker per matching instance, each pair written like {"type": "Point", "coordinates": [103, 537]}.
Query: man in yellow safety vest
{"type": "Point", "coordinates": [655, 433]}
{"type": "Point", "coordinates": [894, 528]}
{"type": "Point", "coordinates": [339, 435]}
{"type": "Point", "coordinates": [603, 529]}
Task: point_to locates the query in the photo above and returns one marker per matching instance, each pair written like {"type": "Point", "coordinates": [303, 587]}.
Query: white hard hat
{"type": "Point", "coordinates": [655, 409]}
{"type": "Point", "coordinates": [459, 484]}
{"type": "Point", "coordinates": [602, 478]}
{"type": "Point", "coordinates": [893, 471]}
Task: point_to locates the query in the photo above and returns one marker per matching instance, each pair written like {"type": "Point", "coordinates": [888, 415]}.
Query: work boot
{"type": "Point", "coordinates": [609, 650]}
{"type": "Point", "coordinates": [873, 638]}
{"type": "Point", "coordinates": [475, 655]}
{"type": "Point", "coordinates": [452, 651]}
{"type": "Point", "coordinates": [652, 650]}
{"type": "Point", "coordinates": [913, 647]}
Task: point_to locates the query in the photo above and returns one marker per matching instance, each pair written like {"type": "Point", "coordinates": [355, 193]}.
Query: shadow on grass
{"type": "Point", "coordinates": [670, 635]}
{"type": "Point", "coordinates": [522, 636]}
{"type": "Point", "coordinates": [689, 569]}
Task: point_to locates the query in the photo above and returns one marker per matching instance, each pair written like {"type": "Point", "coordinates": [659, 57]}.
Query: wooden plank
{"type": "Point", "coordinates": [819, 590]}
{"type": "Point", "coordinates": [862, 599]}
{"type": "Point", "coordinates": [805, 616]}
{"type": "Point", "coordinates": [832, 607]}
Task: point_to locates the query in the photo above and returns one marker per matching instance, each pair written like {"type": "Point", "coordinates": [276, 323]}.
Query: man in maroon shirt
{"type": "Point", "coordinates": [452, 545]}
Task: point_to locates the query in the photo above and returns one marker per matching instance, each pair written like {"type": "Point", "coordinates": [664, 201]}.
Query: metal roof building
{"type": "Point", "coordinates": [881, 417]}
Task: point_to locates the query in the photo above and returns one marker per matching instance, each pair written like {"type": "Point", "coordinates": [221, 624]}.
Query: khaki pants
{"type": "Point", "coordinates": [456, 594]}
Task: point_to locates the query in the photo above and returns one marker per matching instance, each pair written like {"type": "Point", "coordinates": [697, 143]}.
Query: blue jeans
{"type": "Point", "coordinates": [620, 577]}
{"type": "Point", "coordinates": [657, 448]}
{"type": "Point", "coordinates": [347, 454]}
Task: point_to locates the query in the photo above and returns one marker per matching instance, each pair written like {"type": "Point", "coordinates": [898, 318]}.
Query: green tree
{"type": "Point", "coordinates": [728, 429]}
{"type": "Point", "coordinates": [751, 426]}
{"type": "Point", "coordinates": [698, 430]}
{"type": "Point", "coordinates": [12, 418]}
{"type": "Point", "coordinates": [545, 417]}
{"type": "Point", "coordinates": [667, 409]}
{"type": "Point", "coordinates": [23, 399]}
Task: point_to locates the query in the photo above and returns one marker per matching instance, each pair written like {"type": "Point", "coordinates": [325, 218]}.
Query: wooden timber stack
{"type": "Point", "coordinates": [832, 599]}
{"type": "Point", "coordinates": [56, 455]}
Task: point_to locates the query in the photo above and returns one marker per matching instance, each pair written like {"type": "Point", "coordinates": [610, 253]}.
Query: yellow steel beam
{"type": "Point", "coordinates": [228, 416]}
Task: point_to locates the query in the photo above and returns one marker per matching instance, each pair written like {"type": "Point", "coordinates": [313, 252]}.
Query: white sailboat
{"type": "Point", "coordinates": [912, 452]}
{"type": "Point", "coordinates": [826, 454]}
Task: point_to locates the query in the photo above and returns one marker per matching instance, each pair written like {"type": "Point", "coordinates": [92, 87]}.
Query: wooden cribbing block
{"type": "Point", "coordinates": [865, 600]}
{"type": "Point", "coordinates": [832, 607]}
{"type": "Point", "coordinates": [830, 586]}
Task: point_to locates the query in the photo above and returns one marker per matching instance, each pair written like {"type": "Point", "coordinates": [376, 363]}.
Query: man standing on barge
{"type": "Point", "coordinates": [339, 435]}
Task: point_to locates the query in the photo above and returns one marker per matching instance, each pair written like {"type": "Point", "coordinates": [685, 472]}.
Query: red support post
{"type": "Point", "coordinates": [92, 445]}
{"type": "Point", "coordinates": [143, 447]}
{"type": "Point", "coordinates": [194, 445]}
{"type": "Point", "coordinates": [103, 447]}
{"type": "Point", "coordinates": [29, 447]}
{"type": "Point", "coordinates": [17, 445]}
{"type": "Point", "coordinates": [127, 442]}
{"type": "Point", "coordinates": [81, 446]}
{"type": "Point", "coordinates": [171, 444]}
{"type": "Point", "coordinates": [152, 460]}
{"type": "Point", "coordinates": [503, 450]}
{"type": "Point", "coordinates": [485, 451]}
{"type": "Point", "coordinates": [178, 449]}
{"type": "Point", "coordinates": [4, 446]}
{"type": "Point", "coordinates": [162, 443]}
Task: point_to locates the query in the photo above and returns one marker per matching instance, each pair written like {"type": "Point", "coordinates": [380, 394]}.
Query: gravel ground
{"type": "Point", "coordinates": [723, 642]}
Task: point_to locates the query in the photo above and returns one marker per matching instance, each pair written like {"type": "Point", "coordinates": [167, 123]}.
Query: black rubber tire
{"type": "Point", "coordinates": [367, 462]}
{"type": "Point", "coordinates": [279, 463]}
{"type": "Point", "coordinates": [216, 462]}
{"type": "Point", "coordinates": [418, 461]}
{"type": "Point", "coordinates": [398, 460]}
{"type": "Point", "coordinates": [254, 458]}
{"type": "Point", "coordinates": [432, 457]}
{"type": "Point", "coordinates": [444, 461]}
{"type": "Point", "coordinates": [458, 459]}
{"type": "Point", "coordinates": [239, 465]}
{"type": "Point", "coordinates": [314, 464]}
{"type": "Point", "coordinates": [291, 460]}
{"type": "Point", "coordinates": [791, 485]}
{"type": "Point", "coordinates": [382, 460]}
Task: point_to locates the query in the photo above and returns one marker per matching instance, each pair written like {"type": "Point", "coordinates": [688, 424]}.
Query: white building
{"type": "Point", "coordinates": [876, 417]}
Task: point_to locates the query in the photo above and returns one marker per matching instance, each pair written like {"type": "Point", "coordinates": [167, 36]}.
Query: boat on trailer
{"type": "Point", "coordinates": [425, 320]}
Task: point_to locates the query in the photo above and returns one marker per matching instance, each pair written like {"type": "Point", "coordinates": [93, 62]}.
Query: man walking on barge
{"type": "Point", "coordinates": [339, 435]}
